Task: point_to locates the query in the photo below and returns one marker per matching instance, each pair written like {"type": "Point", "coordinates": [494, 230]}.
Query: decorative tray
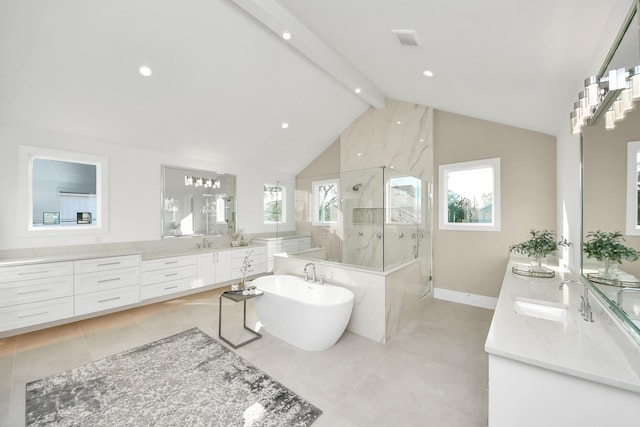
{"type": "Point", "coordinates": [524, 270]}
{"type": "Point", "coordinates": [613, 282]}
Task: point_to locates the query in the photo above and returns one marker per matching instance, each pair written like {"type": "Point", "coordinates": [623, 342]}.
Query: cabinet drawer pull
{"type": "Point", "coordinates": [109, 280]}
{"type": "Point", "coordinates": [108, 263]}
{"type": "Point", "coordinates": [33, 315]}
{"type": "Point", "coordinates": [33, 292]}
{"type": "Point", "coordinates": [25, 273]}
{"type": "Point", "coordinates": [108, 299]}
{"type": "Point", "coordinates": [170, 274]}
{"type": "Point", "coordinates": [170, 287]}
{"type": "Point", "coordinates": [170, 262]}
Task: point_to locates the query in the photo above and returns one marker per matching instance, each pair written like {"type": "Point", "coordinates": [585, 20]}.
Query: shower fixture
{"type": "Point", "coordinates": [357, 187]}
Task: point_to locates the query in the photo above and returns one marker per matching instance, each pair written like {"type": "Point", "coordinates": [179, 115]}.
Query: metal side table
{"type": "Point", "coordinates": [236, 296]}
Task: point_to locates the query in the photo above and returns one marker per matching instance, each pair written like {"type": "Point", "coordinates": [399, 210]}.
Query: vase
{"type": "Point", "coordinates": [538, 263]}
{"type": "Point", "coordinates": [608, 269]}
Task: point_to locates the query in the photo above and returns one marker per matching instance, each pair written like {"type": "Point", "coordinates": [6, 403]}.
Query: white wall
{"type": "Point", "coordinates": [134, 188]}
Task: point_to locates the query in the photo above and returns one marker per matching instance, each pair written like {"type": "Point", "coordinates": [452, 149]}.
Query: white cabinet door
{"type": "Point", "coordinates": [223, 266]}
{"type": "Point", "coordinates": [206, 271]}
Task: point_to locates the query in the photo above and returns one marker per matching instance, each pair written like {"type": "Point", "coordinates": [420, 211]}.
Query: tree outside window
{"type": "Point", "coordinates": [274, 204]}
{"type": "Point", "coordinates": [325, 202]}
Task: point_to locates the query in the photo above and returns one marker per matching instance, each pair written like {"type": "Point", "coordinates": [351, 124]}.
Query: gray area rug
{"type": "Point", "coordinates": [187, 379]}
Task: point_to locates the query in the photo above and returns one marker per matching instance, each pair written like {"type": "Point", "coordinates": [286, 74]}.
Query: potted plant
{"type": "Point", "coordinates": [607, 247]}
{"type": "Point", "coordinates": [541, 244]}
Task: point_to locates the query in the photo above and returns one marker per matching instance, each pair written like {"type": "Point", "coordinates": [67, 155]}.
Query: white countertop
{"type": "Point", "coordinates": [600, 351]}
{"type": "Point", "coordinates": [60, 255]}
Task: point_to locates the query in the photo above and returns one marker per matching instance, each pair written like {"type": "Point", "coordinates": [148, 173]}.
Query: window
{"type": "Point", "coordinates": [633, 188]}
{"type": "Point", "coordinates": [324, 202]}
{"type": "Point", "coordinates": [470, 195]}
{"type": "Point", "coordinates": [405, 198]}
{"type": "Point", "coordinates": [275, 203]}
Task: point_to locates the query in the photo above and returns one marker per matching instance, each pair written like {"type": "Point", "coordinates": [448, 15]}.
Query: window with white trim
{"type": "Point", "coordinates": [275, 203]}
{"type": "Point", "coordinates": [470, 195]}
{"type": "Point", "coordinates": [325, 197]}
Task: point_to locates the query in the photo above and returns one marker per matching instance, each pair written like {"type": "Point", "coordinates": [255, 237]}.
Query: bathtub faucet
{"type": "Point", "coordinates": [306, 274]}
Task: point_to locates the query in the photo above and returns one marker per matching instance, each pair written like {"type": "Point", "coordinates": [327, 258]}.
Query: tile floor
{"type": "Point", "coordinates": [434, 373]}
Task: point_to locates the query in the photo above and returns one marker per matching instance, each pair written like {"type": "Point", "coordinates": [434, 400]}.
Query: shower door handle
{"type": "Point", "coordinates": [379, 235]}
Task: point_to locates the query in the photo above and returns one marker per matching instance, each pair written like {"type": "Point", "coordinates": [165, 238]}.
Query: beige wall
{"type": "Point", "coordinates": [605, 174]}
{"type": "Point", "coordinates": [474, 261]}
{"type": "Point", "coordinates": [325, 166]}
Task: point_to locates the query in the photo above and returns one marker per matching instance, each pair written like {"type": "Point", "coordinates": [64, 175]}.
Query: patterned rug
{"type": "Point", "coordinates": [187, 379]}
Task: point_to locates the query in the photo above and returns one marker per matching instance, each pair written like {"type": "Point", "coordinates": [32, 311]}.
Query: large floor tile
{"type": "Point", "coordinates": [432, 373]}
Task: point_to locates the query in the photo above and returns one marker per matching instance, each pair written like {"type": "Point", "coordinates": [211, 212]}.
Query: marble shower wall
{"type": "Point", "coordinates": [400, 138]}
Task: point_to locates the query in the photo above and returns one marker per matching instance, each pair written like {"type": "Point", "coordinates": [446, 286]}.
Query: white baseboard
{"type": "Point", "coordinates": [465, 298]}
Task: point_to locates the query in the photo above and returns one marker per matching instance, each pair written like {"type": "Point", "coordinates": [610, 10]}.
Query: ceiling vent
{"type": "Point", "coordinates": [407, 37]}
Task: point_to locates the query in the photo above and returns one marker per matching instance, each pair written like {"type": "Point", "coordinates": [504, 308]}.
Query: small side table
{"type": "Point", "coordinates": [237, 297]}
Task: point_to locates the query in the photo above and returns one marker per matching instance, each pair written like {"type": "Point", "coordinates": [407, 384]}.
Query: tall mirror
{"type": "Point", "coordinates": [65, 191]}
{"type": "Point", "coordinates": [197, 202]}
{"type": "Point", "coordinates": [611, 186]}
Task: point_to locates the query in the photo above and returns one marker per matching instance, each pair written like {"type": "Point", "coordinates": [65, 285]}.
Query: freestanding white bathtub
{"type": "Point", "coordinates": [307, 315]}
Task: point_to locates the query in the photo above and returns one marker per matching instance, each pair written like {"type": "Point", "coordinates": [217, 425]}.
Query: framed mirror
{"type": "Point", "coordinates": [197, 202]}
{"type": "Point", "coordinates": [66, 191]}
{"type": "Point", "coordinates": [610, 186]}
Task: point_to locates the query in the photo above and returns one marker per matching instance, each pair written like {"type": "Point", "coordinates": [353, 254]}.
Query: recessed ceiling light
{"type": "Point", "coordinates": [286, 35]}
{"type": "Point", "coordinates": [398, 122]}
{"type": "Point", "coordinates": [357, 90]}
{"type": "Point", "coordinates": [285, 125]}
{"type": "Point", "coordinates": [145, 71]}
{"type": "Point", "coordinates": [428, 73]}
{"type": "Point", "coordinates": [359, 154]}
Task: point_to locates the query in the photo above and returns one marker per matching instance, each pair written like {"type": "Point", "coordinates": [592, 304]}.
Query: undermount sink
{"type": "Point", "coordinates": [541, 309]}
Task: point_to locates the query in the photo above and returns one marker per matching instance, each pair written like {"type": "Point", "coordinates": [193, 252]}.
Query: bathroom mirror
{"type": "Point", "coordinates": [606, 182]}
{"type": "Point", "coordinates": [197, 202]}
{"type": "Point", "coordinates": [66, 191]}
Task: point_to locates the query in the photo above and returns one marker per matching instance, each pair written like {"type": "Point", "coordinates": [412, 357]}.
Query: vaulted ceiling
{"type": "Point", "coordinates": [224, 80]}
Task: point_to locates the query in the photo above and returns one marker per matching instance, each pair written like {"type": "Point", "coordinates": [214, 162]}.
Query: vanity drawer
{"type": "Point", "coordinates": [27, 291]}
{"type": "Point", "coordinates": [105, 264]}
{"type": "Point", "coordinates": [155, 290]}
{"type": "Point", "coordinates": [23, 315]}
{"type": "Point", "coordinates": [99, 281]}
{"type": "Point", "coordinates": [35, 271]}
{"type": "Point", "coordinates": [169, 274]}
{"type": "Point", "coordinates": [107, 299]}
{"type": "Point", "coordinates": [162, 263]}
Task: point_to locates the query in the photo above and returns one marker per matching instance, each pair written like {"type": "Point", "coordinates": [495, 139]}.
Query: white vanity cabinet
{"type": "Point", "coordinates": [256, 258]}
{"type": "Point", "coordinates": [165, 276]}
{"type": "Point", "coordinates": [105, 283]}
{"type": "Point", "coordinates": [214, 267]}
{"type": "Point", "coordinates": [35, 293]}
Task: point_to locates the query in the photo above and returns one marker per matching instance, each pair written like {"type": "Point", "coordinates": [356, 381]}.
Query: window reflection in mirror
{"type": "Point", "coordinates": [633, 188]}
{"type": "Point", "coordinates": [197, 202]}
{"type": "Point", "coordinates": [65, 191]}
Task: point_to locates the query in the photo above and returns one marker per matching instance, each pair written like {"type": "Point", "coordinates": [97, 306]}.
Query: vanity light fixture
{"type": "Point", "coordinates": [357, 90]}
{"type": "Point", "coordinates": [428, 73]}
{"type": "Point", "coordinates": [145, 71]}
{"type": "Point", "coordinates": [611, 96]}
{"type": "Point", "coordinates": [285, 125]}
{"type": "Point", "coordinates": [201, 182]}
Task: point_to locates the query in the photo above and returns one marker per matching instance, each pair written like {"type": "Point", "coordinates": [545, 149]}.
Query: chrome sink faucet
{"type": "Point", "coordinates": [585, 307]}
{"type": "Point", "coordinates": [306, 274]}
